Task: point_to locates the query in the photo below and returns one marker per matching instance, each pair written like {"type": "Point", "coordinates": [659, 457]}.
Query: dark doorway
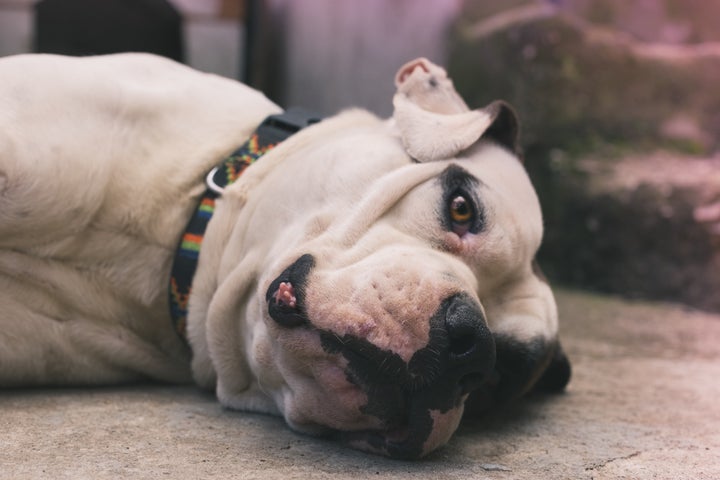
{"type": "Point", "coordinates": [93, 27]}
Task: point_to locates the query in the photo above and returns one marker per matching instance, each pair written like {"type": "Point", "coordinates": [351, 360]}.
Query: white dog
{"type": "Point", "coordinates": [361, 280]}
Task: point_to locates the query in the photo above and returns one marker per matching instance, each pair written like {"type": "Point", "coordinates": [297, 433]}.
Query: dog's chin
{"type": "Point", "coordinates": [409, 429]}
{"type": "Point", "coordinates": [408, 441]}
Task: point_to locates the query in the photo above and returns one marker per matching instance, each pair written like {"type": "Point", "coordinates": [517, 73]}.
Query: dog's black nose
{"type": "Point", "coordinates": [470, 345]}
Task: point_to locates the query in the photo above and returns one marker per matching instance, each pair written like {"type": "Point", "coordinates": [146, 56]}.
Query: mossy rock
{"type": "Point", "coordinates": [581, 95]}
{"type": "Point", "coordinates": [575, 92]}
{"type": "Point", "coordinates": [638, 234]}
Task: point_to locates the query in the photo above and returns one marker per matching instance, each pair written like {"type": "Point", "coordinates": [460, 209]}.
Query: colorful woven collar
{"type": "Point", "coordinates": [271, 131]}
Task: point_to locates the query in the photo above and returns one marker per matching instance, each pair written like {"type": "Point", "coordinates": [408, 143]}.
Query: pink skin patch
{"type": "Point", "coordinates": [409, 69]}
{"type": "Point", "coordinates": [285, 295]}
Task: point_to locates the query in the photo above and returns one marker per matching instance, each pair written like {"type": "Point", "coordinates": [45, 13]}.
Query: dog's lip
{"type": "Point", "coordinates": [406, 436]}
{"type": "Point", "coordinates": [405, 440]}
{"type": "Point", "coordinates": [291, 281]}
{"type": "Point", "coordinates": [284, 313]}
{"type": "Point", "coordinates": [387, 441]}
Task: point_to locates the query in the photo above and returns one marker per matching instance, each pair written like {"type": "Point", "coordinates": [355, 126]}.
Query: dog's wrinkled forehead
{"type": "Point", "coordinates": [434, 121]}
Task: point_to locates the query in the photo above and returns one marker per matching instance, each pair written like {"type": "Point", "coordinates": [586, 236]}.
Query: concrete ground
{"type": "Point", "coordinates": [644, 403]}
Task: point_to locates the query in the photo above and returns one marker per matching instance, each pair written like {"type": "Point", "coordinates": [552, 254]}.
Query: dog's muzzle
{"type": "Point", "coordinates": [407, 396]}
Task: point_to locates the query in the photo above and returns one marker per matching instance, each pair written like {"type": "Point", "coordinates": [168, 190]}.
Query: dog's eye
{"type": "Point", "coordinates": [461, 213]}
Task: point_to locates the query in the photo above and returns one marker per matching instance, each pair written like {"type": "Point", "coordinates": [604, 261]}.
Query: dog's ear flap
{"type": "Point", "coordinates": [505, 127]}
{"type": "Point", "coordinates": [435, 123]}
{"type": "Point", "coordinates": [429, 136]}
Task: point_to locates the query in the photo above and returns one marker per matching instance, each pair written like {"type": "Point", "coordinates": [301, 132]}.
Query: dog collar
{"type": "Point", "coordinates": [273, 130]}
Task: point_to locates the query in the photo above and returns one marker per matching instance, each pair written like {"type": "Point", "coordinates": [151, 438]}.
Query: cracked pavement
{"type": "Point", "coordinates": [643, 403]}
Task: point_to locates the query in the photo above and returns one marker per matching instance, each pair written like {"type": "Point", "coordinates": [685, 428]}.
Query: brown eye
{"type": "Point", "coordinates": [461, 211]}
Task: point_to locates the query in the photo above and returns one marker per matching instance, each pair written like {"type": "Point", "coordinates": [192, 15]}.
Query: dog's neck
{"type": "Point", "coordinates": [273, 130]}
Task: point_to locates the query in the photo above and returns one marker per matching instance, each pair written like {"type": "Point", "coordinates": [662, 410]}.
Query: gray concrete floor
{"type": "Point", "coordinates": [644, 403]}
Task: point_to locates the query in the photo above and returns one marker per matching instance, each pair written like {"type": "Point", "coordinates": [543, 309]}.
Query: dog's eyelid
{"type": "Point", "coordinates": [454, 177]}
{"type": "Point", "coordinates": [458, 183]}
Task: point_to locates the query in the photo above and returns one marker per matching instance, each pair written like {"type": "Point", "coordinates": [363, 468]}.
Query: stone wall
{"type": "Point", "coordinates": [213, 32]}
{"type": "Point", "coordinates": [621, 134]}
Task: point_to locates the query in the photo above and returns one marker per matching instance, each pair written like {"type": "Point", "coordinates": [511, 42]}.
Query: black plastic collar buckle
{"type": "Point", "coordinates": [273, 130]}
{"type": "Point", "coordinates": [290, 121]}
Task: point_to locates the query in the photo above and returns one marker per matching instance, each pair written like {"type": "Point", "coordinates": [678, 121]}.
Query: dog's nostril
{"type": "Point", "coordinates": [470, 347]}
{"type": "Point", "coordinates": [461, 334]}
{"type": "Point", "coordinates": [462, 322]}
{"type": "Point", "coordinates": [461, 346]}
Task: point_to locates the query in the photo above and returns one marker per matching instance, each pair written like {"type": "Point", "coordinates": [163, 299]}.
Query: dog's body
{"type": "Point", "coordinates": [405, 247]}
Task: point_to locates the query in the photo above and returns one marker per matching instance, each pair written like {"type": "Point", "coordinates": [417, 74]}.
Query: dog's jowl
{"type": "Point", "coordinates": [367, 279]}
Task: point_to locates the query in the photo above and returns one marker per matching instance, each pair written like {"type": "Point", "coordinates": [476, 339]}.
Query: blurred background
{"type": "Point", "coordinates": [619, 101]}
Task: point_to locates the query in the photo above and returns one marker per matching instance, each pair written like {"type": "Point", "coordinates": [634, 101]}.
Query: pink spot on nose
{"type": "Point", "coordinates": [285, 295]}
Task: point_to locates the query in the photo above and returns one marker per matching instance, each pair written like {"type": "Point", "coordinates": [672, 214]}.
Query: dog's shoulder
{"type": "Point", "coordinates": [125, 137]}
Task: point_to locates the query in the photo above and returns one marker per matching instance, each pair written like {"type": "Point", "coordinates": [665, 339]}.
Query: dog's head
{"type": "Point", "coordinates": [367, 276]}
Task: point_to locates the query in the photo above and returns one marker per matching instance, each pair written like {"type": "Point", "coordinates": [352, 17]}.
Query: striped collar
{"type": "Point", "coordinates": [273, 130]}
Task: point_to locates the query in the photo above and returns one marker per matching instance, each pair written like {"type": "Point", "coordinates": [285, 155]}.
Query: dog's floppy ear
{"type": "Point", "coordinates": [429, 136]}
{"type": "Point", "coordinates": [435, 123]}
{"type": "Point", "coordinates": [556, 375]}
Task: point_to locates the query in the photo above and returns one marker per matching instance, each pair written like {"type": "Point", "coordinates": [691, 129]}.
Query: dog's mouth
{"type": "Point", "coordinates": [394, 442]}
{"type": "Point", "coordinates": [420, 429]}
{"type": "Point", "coordinates": [419, 402]}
